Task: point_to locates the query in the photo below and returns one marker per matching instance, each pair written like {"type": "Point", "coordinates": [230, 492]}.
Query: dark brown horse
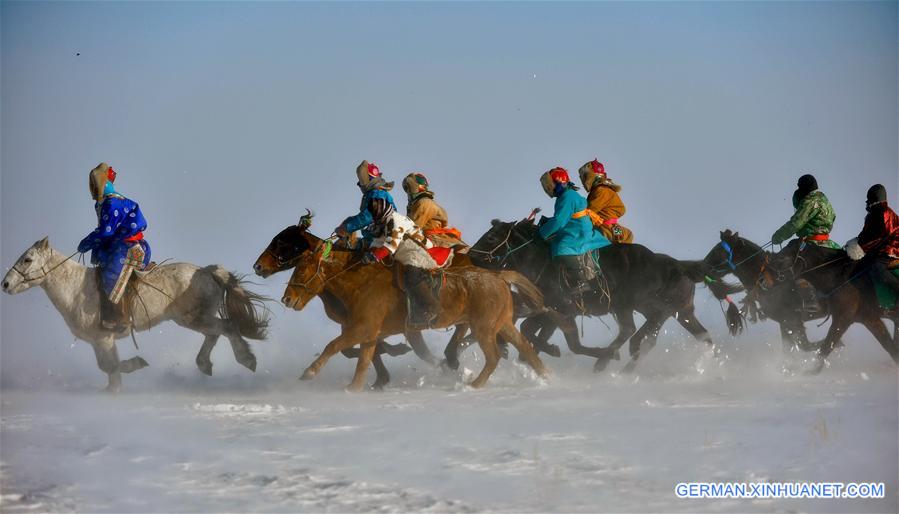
{"type": "Point", "coordinates": [634, 279]}
{"type": "Point", "coordinates": [376, 307]}
{"type": "Point", "coordinates": [750, 263]}
{"type": "Point", "coordinates": [846, 288]}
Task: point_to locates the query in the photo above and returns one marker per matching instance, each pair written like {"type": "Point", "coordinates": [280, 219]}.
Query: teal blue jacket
{"type": "Point", "coordinates": [567, 235]}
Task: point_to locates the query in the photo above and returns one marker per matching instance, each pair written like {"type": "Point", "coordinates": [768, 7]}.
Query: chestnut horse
{"type": "Point", "coordinates": [376, 307]}
{"type": "Point", "coordinates": [282, 253]}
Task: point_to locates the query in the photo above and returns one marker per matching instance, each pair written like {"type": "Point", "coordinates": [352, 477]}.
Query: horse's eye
{"type": "Point", "coordinates": [27, 260]}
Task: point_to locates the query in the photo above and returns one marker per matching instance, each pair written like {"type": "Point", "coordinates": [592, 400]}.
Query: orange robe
{"type": "Point", "coordinates": [432, 218]}
{"type": "Point", "coordinates": [605, 202]}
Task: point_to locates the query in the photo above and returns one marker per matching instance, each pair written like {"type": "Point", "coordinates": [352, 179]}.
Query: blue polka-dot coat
{"type": "Point", "coordinates": [118, 218]}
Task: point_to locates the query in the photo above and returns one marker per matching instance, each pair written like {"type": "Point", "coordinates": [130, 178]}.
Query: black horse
{"type": "Point", "coordinates": [783, 303]}
{"type": "Point", "coordinates": [633, 278]}
{"type": "Point", "coordinates": [844, 285]}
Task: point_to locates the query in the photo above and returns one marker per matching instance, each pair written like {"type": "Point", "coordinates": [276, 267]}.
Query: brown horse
{"type": "Point", "coordinates": [376, 307]}
{"type": "Point", "coordinates": [282, 253]}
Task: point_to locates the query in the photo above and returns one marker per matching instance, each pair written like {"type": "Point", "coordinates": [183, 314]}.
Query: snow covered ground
{"type": "Point", "coordinates": [177, 441]}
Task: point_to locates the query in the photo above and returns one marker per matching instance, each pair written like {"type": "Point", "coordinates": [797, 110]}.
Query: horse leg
{"type": "Point", "coordinates": [649, 329]}
{"type": "Point", "coordinates": [543, 324]}
{"type": "Point", "coordinates": [879, 330]}
{"type": "Point", "coordinates": [525, 351]}
{"type": "Point", "coordinates": [133, 364]}
{"type": "Point", "coordinates": [365, 356]}
{"type": "Point", "coordinates": [487, 342]}
{"type": "Point", "coordinates": [421, 348]}
{"type": "Point", "coordinates": [839, 324]}
{"type": "Point", "coordinates": [349, 337]}
{"type": "Point", "coordinates": [108, 361]}
{"type": "Point", "coordinates": [568, 324]}
{"type": "Point", "coordinates": [383, 376]}
{"type": "Point", "coordinates": [204, 362]}
{"type": "Point", "coordinates": [626, 329]}
{"type": "Point", "coordinates": [393, 350]}
{"type": "Point", "coordinates": [242, 352]}
{"type": "Point", "coordinates": [687, 319]}
{"type": "Point", "coordinates": [451, 352]}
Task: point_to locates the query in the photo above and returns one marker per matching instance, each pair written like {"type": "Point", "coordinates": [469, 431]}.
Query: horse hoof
{"type": "Point", "coordinates": [553, 350]}
{"type": "Point", "coordinates": [600, 364]}
{"type": "Point", "coordinates": [249, 363]}
{"type": "Point", "coordinates": [140, 363]}
{"type": "Point", "coordinates": [205, 368]}
{"type": "Point", "coordinates": [395, 350]}
{"type": "Point", "coordinates": [111, 389]}
{"type": "Point", "coordinates": [353, 388]}
{"type": "Point", "coordinates": [629, 367]}
{"type": "Point", "coordinates": [449, 364]}
{"type": "Point", "coordinates": [308, 374]}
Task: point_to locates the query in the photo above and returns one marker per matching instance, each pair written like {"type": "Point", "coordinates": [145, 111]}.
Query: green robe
{"type": "Point", "coordinates": [814, 215]}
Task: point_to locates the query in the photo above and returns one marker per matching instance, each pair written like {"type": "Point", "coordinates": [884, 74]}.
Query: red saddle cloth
{"type": "Point", "coordinates": [440, 254]}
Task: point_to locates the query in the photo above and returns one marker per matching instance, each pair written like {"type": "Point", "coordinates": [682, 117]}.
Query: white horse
{"type": "Point", "coordinates": [209, 300]}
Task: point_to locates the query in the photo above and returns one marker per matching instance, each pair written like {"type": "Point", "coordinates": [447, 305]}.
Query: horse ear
{"type": "Point", "coordinates": [306, 219]}
{"type": "Point", "coordinates": [495, 222]}
{"type": "Point", "coordinates": [736, 235]}
{"type": "Point", "coordinates": [43, 244]}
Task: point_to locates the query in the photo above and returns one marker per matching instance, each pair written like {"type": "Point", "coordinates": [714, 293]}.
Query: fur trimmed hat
{"type": "Point", "coordinates": [551, 178]}
{"type": "Point", "coordinates": [416, 185]}
{"type": "Point", "coordinates": [593, 174]}
{"type": "Point", "coordinates": [98, 178]}
{"type": "Point", "coordinates": [369, 176]}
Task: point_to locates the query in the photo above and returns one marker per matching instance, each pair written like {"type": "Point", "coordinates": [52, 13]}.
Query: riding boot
{"type": "Point", "coordinates": [112, 315]}
{"type": "Point", "coordinates": [808, 296]}
{"type": "Point", "coordinates": [423, 304]}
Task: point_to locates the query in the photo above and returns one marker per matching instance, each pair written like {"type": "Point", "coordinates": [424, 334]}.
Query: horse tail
{"type": "Point", "coordinates": [244, 309]}
{"type": "Point", "coordinates": [526, 289]}
{"type": "Point", "coordinates": [699, 271]}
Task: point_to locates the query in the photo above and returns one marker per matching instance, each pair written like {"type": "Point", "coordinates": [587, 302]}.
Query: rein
{"type": "Point", "coordinates": [730, 255]}
{"type": "Point", "coordinates": [326, 252]}
{"type": "Point", "coordinates": [505, 242]}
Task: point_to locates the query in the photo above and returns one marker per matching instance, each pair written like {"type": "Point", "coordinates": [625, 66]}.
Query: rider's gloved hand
{"type": "Point", "coordinates": [84, 246]}
{"type": "Point", "coordinates": [543, 219]}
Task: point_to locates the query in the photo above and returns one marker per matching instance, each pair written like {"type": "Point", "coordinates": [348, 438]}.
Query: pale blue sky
{"type": "Point", "coordinates": [225, 120]}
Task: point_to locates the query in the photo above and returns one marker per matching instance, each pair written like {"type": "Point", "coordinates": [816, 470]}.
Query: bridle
{"type": "Point", "coordinates": [504, 243]}
{"type": "Point", "coordinates": [44, 275]}
{"type": "Point", "coordinates": [325, 248]}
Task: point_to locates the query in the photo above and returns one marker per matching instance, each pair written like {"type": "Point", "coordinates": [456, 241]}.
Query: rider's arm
{"type": "Point", "coordinates": [563, 211]}
{"type": "Point", "coordinates": [111, 217]}
{"type": "Point", "coordinates": [803, 214]}
{"type": "Point", "coordinates": [873, 232]}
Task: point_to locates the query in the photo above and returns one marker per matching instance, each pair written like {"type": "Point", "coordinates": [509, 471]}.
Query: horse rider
{"type": "Point", "coordinates": [603, 202]}
{"type": "Point", "coordinates": [879, 239]}
{"type": "Point", "coordinates": [397, 235]}
{"type": "Point", "coordinates": [812, 222]}
{"type": "Point", "coordinates": [373, 187]}
{"type": "Point", "coordinates": [569, 231]}
{"type": "Point", "coordinates": [117, 245]}
{"type": "Point", "coordinates": [429, 215]}
{"type": "Point", "coordinates": [813, 218]}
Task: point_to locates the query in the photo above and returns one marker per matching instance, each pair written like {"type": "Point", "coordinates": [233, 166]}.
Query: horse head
{"type": "Point", "coordinates": [308, 278]}
{"type": "Point", "coordinates": [30, 269]}
{"type": "Point", "coordinates": [285, 248]}
{"type": "Point", "coordinates": [493, 248]}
